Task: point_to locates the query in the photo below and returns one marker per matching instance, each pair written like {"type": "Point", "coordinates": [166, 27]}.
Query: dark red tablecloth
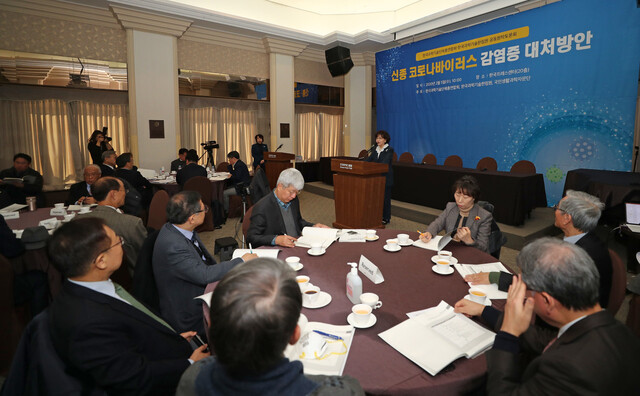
{"type": "Point", "coordinates": [217, 188]}
{"type": "Point", "coordinates": [31, 219]}
{"type": "Point", "coordinates": [409, 285]}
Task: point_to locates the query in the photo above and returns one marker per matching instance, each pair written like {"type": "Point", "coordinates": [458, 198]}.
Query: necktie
{"type": "Point", "coordinates": [120, 291]}
{"type": "Point", "coordinates": [549, 344]}
{"type": "Point", "coordinates": [200, 252]}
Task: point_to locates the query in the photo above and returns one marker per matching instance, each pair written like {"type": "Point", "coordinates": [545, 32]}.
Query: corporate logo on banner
{"type": "Point", "coordinates": [556, 85]}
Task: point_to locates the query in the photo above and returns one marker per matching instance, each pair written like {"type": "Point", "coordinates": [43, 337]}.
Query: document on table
{"type": "Point", "coordinates": [273, 253]}
{"type": "Point", "coordinates": [438, 336]}
{"type": "Point", "coordinates": [352, 235]}
{"type": "Point", "coordinates": [431, 245]}
{"type": "Point", "coordinates": [12, 208]}
{"type": "Point", "coordinates": [491, 290]}
{"type": "Point", "coordinates": [325, 236]}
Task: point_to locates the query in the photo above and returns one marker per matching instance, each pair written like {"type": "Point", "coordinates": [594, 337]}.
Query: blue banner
{"type": "Point", "coordinates": [305, 93]}
{"type": "Point", "coordinates": [556, 85]}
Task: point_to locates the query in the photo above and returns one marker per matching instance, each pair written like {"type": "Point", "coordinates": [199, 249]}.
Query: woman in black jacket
{"type": "Point", "coordinates": [384, 154]}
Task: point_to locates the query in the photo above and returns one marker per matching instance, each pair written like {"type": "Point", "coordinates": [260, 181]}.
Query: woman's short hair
{"type": "Point", "coordinates": [385, 135]}
{"type": "Point", "coordinates": [259, 136]}
{"type": "Point", "coordinates": [94, 136]}
{"type": "Point", "coordinates": [469, 186]}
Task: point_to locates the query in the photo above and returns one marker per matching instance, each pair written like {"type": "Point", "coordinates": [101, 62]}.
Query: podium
{"type": "Point", "coordinates": [358, 193]}
{"type": "Point", "coordinates": [276, 163]}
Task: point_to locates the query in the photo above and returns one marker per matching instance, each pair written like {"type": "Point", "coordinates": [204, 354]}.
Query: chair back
{"type": "Point", "coordinates": [524, 167]}
{"type": "Point", "coordinates": [158, 210]}
{"type": "Point", "coordinates": [395, 157]}
{"type": "Point", "coordinates": [633, 318]}
{"type": "Point", "coordinates": [454, 161]}
{"type": "Point", "coordinates": [259, 186]}
{"type": "Point", "coordinates": [618, 283]}
{"type": "Point", "coordinates": [496, 238]}
{"type": "Point", "coordinates": [222, 167]}
{"type": "Point", "coordinates": [363, 154]}
{"type": "Point", "coordinates": [429, 159]}
{"type": "Point", "coordinates": [144, 282]}
{"type": "Point", "coordinates": [246, 222]}
{"type": "Point", "coordinates": [487, 163]}
{"type": "Point", "coordinates": [406, 157]}
{"type": "Point", "coordinates": [7, 316]}
{"type": "Point", "coordinates": [202, 185]}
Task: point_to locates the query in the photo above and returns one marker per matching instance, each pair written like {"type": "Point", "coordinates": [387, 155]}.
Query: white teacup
{"type": "Point", "coordinates": [371, 299]}
{"type": "Point", "coordinates": [442, 265]}
{"type": "Point", "coordinates": [59, 205]}
{"type": "Point", "coordinates": [85, 209]}
{"type": "Point", "coordinates": [316, 247]}
{"type": "Point", "coordinates": [444, 255]}
{"type": "Point", "coordinates": [303, 282]}
{"type": "Point", "coordinates": [477, 295]}
{"type": "Point", "coordinates": [403, 239]}
{"type": "Point", "coordinates": [371, 234]}
{"type": "Point", "coordinates": [392, 244]}
{"type": "Point", "coordinates": [361, 314]}
{"type": "Point", "coordinates": [293, 262]}
{"type": "Point", "coordinates": [310, 295]}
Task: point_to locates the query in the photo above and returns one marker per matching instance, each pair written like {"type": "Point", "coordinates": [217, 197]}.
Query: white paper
{"type": "Point", "coordinates": [58, 212]}
{"type": "Point", "coordinates": [74, 207]}
{"type": "Point", "coordinates": [12, 208]}
{"type": "Point", "coordinates": [370, 270]}
{"type": "Point", "coordinates": [325, 236]}
{"type": "Point", "coordinates": [148, 173]}
{"type": "Point", "coordinates": [491, 290]}
{"type": "Point", "coordinates": [206, 298]}
{"type": "Point", "coordinates": [10, 215]}
{"type": "Point", "coordinates": [633, 213]}
{"type": "Point", "coordinates": [353, 235]}
{"type": "Point", "coordinates": [50, 223]}
{"type": "Point", "coordinates": [273, 253]}
{"type": "Point", "coordinates": [431, 245]}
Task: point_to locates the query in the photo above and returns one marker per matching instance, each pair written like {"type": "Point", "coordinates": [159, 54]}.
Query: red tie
{"type": "Point", "coordinates": [549, 344]}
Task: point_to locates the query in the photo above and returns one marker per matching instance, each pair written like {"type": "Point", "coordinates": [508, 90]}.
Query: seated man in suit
{"type": "Point", "coordinates": [108, 165]}
{"type": "Point", "coordinates": [106, 337]}
{"type": "Point", "coordinates": [31, 184]}
{"type": "Point", "coordinates": [179, 162]}
{"type": "Point", "coordinates": [254, 316]}
{"type": "Point", "coordinates": [276, 218]}
{"type": "Point", "coordinates": [126, 171]}
{"type": "Point", "coordinates": [80, 193]}
{"type": "Point", "coordinates": [182, 265]}
{"type": "Point", "coordinates": [239, 175]}
{"type": "Point", "coordinates": [192, 169]}
{"type": "Point", "coordinates": [110, 193]}
{"type": "Point", "coordinates": [592, 353]}
{"type": "Point", "coordinates": [577, 215]}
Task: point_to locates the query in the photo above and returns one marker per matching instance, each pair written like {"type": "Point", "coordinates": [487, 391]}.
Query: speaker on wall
{"type": "Point", "coordinates": [338, 60]}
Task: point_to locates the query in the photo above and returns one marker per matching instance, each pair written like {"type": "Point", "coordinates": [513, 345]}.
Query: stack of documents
{"type": "Point", "coordinates": [324, 236]}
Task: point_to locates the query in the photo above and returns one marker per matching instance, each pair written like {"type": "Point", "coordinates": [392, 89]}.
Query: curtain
{"type": "Point", "coordinates": [331, 132]}
{"type": "Point", "coordinates": [198, 125]}
{"type": "Point", "coordinates": [319, 135]}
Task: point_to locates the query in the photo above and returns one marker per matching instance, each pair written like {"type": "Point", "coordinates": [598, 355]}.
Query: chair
{"type": "Point", "coordinates": [429, 159]}
{"type": "Point", "coordinates": [158, 210]}
{"type": "Point", "coordinates": [395, 157]}
{"type": "Point", "coordinates": [363, 154]}
{"type": "Point", "coordinates": [259, 186]}
{"type": "Point", "coordinates": [487, 163]}
{"type": "Point", "coordinates": [496, 238]}
{"type": "Point", "coordinates": [453, 161]}
{"type": "Point", "coordinates": [202, 185]}
{"type": "Point", "coordinates": [524, 167]}
{"type": "Point", "coordinates": [406, 157]}
{"type": "Point", "coordinates": [618, 283]}
{"type": "Point", "coordinates": [222, 167]}
{"type": "Point", "coordinates": [144, 282]}
{"type": "Point", "coordinates": [633, 318]}
{"type": "Point", "coordinates": [246, 222]}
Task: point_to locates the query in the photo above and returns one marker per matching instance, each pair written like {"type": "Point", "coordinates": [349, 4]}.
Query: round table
{"type": "Point", "coordinates": [31, 219]}
{"type": "Point", "coordinates": [409, 285]}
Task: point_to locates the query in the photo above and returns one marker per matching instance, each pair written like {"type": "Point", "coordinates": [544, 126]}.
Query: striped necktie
{"type": "Point", "coordinates": [120, 291]}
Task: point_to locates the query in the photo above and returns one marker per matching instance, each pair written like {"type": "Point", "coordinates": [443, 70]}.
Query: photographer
{"type": "Point", "coordinates": [99, 143]}
{"type": "Point", "coordinates": [239, 178]}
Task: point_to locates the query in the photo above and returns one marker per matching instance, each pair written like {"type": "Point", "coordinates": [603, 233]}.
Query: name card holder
{"type": "Point", "coordinates": [58, 212]}
{"type": "Point", "coordinates": [370, 270]}
{"type": "Point", "coordinates": [10, 215]}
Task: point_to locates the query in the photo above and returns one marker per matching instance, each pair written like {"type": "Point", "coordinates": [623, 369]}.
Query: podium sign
{"type": "Point", "coordinates": [276, 163]}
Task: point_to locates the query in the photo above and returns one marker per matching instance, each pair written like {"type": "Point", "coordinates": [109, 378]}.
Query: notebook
{"type": "Point", "coordinates": [633, 216]}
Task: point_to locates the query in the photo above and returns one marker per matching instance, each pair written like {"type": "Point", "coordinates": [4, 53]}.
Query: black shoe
{"type": "Point", "coordinates": [217, 227]}
{"type": "Point", "coordinates": [385, 222]}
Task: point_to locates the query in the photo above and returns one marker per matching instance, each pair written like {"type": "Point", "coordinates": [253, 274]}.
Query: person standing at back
{"type": "Point", "coordinates": [384, 154]}
{"type": "Point", "coordinates": [257, 152]}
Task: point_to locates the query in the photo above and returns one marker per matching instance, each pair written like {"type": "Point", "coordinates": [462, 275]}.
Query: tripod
{"type": "Point", "coordinates": [210, 161]}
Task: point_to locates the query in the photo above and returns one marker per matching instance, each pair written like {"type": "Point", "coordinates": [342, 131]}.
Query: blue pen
{"type": "Point", "coordinates": [333, 337]}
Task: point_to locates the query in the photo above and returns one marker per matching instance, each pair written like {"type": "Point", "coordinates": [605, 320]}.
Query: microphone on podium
{"type": "Point", "coordinates": [368, 151]}
{"type": "Point", "coordinates": [279, 147]}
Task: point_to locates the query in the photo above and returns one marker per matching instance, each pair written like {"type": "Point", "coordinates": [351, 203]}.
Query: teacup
{"type": "Point", "coordinates": [444, 255]}
{"type": "Point", "coordinates": [442, 266]}
{"type": "Point", "coordinates": [310, 295]}
{"type": "Point", "coordinates": [403, 239]}
{"type": "Point", "coordinates": [477, 295]}
{"type": "Point", "coordinates": [59, 206]}
{"type": "Point", "coordinates": [85, 209]}
{"type": "Point", "coordinates": [392, 244]}
{"type": "Point", "coordinates": [303, 282]}
{"type": "Point", "coordinates": [293, 262]}
{"type": "Point", "coordinates": [371, 234]}
{"type": "Point", "coordinates": [361, 314]}
{"type": "Point", "coordinates": [316, 247]}
{"type": "Point", "coordinates": [371, 299]}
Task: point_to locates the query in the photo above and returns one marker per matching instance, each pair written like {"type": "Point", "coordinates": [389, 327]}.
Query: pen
{"type": "Point", "coordinates": [420, 232]}
{"type": "Point", "coordinates": [250, 248]}
{"type": "Point", "coordinates": [333, 337]}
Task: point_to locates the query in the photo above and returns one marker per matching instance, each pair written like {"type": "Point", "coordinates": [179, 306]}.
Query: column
{"type": "Point", "coordinates": [357, 109]}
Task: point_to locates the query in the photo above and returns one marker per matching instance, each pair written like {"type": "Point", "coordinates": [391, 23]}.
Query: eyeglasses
{"type": "Point", "coordinates": [205, 210]}
{"type": "Point", "coordinates": [556, 207]}
{"type": "Point", "coordinates": [120, 242]}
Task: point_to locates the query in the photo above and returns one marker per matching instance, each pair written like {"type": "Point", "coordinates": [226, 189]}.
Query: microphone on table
{"type": "Point", "coordinates": [279, 147]}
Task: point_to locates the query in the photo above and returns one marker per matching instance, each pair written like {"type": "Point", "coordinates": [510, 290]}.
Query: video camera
{"type": "Point", "coordinates": [104, 133]}
{"type": "Point", "coordinates": [210, 145]}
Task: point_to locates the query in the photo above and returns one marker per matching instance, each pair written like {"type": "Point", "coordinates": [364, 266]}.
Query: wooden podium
{"type": "Point", "coordinates": [358, 193]}
{"type": "Point", "coordinates": [276, 163]}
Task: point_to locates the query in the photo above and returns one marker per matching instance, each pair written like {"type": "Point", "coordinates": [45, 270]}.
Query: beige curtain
{"type": "Point", "coordinates": [331, 132]}
{"type": "Point", "coordinates": [198, 125]}
{"type": "Point", "coordinates": [308, 127]}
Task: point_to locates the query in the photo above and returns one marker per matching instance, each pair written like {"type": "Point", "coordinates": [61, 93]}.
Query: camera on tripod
{"type": "Point", "coordinates": [104, 133]}
{"type": "Point", "coordinates": [210, 145]}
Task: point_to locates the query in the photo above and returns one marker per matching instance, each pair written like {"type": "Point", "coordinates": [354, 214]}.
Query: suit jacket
{"type": "Point", "coordinates": [110, 343]}
{"type": "Point", "coordinates": [385, 157]}
{"type": "Point", "coordinates": [127, 226]}
{"type": "Point", "coordinates": [181, 275]}
{"type": "Point", "coordinates": [257, 152]}
{"type": "Point", "coordinates": [239, 173]}
{"type": "Point", "coordinates": [107, 170]}
{"type": "Point", "coordinates": [134, 178]}
{"type": "Point", "coordinates": [77, 191]}
{"type": "Point", "coordinates": [596, 356]}
{"type": "Point", "coordinates": [480, 229]}
{"type": "Point", "coordinates": [177, 163]}
{"type": "Point", "coordinates": [267, 221]}
{"type": "Point", "coordinates": [189, 171]}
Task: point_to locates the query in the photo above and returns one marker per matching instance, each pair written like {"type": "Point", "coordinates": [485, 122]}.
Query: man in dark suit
{"type": "Point", "coordinates": [276, 219]}
{"type": "Point", "coordinates": [126, 171]}
{"type": "Point", "coordinates": [80, 193]}
{"type": "Point", "coordinates": [106, 337]}
{"type": "Point", "coordinates": [192, 169]}
{"type": "Point", "coordinates": [591, 353]}
{"type": "Point", "coordinates": [31, 184]}
{"type": "Point", "coordinates": [577, 215]}
{"type": "Point", "coordinates": [239, 175]}
{"type": "Point", "coordinates": [179, 162]}
{"type": "Point", "coordinates": [108, 165]}
{"type": "Point", "coordinates": [182, 265]}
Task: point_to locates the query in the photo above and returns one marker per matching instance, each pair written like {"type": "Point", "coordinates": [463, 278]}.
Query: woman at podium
{"type": "Point", "coordinates": [384, 154]}
{"type": "Point", "coordinates": [257, 152]}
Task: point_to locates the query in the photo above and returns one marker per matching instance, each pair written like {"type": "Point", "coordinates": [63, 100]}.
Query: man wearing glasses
{"type": "Point", "coordinates": [276, 218]}
{"type": "Point", "coordinates": [182, 265]}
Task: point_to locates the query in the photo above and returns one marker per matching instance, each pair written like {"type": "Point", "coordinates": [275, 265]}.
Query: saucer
{"type": "Point", "coordinates": [487, 301]}
{"type": "Point", "coordinates": [375, 238]}
{"type": "Point", "coordinates": [409, 243]}
{"type": "Point", "coordinates": [323, 300]}
{"type": "Point", "coordinates": [298, 267]}
{"type": "Point", "coordinates": [386, 247]}
{"type": "Point", "coordinates": [452, 261]}
{"type": "Point", "coordinates": [323, 251]}
{"type": "Point", "coordinates": [372, 321]}
{"type": "Point", "coordinates": [445, 273]}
